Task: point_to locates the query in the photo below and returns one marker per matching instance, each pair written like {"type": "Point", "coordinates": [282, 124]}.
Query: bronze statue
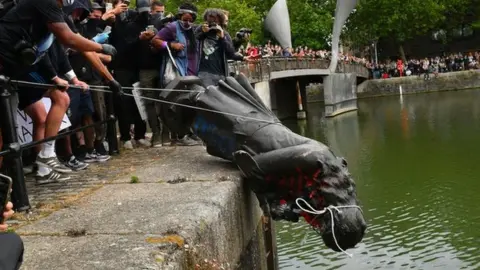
{"type": "Point", "coordinates": [292, 176]}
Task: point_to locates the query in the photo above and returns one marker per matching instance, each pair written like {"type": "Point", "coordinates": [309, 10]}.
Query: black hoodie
{"type": "Point", "coordinates": [82, 67]}
{"type": "Point", "coordinates": [147, 58]}
{"type": "Point", "coordinates": [124, 38]}
{"type": "Point", "coordinates": [56, 62]}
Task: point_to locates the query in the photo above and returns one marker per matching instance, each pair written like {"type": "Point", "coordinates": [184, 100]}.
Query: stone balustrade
{"type": "Point", "coordinates": [259, 70]}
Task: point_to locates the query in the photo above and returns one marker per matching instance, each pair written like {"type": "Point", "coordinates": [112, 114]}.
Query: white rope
{"type": "Point", "coordinates": [193, 107]}
{"type": "Point", "coordinates": [149, 89]}
{"type": "Point", "coordinates": [99, 89]}
{"type": "Point", "coordinates": [106, 87]}
{"type": "Point", "coordinates": [330, 209]}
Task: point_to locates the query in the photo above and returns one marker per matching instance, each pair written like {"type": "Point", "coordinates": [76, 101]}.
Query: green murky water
{"type": "Point", "coordinates": [416, 162]}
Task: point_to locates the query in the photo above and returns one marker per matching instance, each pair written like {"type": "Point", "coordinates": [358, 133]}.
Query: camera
{"type": "Point", "coordinates": [26, 51]}
{"type": "Point", "coordinates": [244, 31]}
{"type": "Point", "coordinates": [212, 27]}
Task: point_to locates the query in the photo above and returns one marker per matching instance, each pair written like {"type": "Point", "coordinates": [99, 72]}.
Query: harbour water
{"type": "Point", "coordinates": [416, 162]}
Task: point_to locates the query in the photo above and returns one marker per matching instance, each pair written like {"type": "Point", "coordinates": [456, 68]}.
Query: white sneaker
{"type": "Point", "coordinates": [128, 145]}
{"type": "Point", "coordinates": [144, 142]}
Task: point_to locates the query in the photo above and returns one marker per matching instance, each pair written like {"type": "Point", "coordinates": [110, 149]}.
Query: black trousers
{"type": "Point", "coordinates": [11, 251]}
{"type": "Point", "coordinates": [126, 108]}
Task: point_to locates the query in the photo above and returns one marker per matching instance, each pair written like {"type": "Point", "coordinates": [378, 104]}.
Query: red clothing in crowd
{"type": "Point", "coordinates": [400, 67]}
{"type": "Point", "coordinates": [253, 52]}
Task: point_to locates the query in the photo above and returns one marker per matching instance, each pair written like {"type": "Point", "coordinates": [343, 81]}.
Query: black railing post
{"type": "Point", "coordinates": [13, 161]}
{"type": "Point", "coordinates": [112, 127]}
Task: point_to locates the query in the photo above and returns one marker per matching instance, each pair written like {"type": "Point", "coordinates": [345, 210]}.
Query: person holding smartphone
{"type": "Point", "coordinates": [149, 61]}
{"type": "Point", "coordinates": [11, 245]}
{"type": "Point", "coordinates": [179, 38]}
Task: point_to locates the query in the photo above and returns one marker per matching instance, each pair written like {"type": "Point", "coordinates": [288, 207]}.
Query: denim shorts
{"type": "Point", "coordinates": [28, 95]}
{"type": "Point", "coordinates": [81, 104]}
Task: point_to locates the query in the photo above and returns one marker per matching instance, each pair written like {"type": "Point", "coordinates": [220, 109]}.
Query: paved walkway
{"type": "Point", "coordinates": [146, 209]}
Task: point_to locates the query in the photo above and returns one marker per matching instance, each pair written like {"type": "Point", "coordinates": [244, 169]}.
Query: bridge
{"type": "Point", "coordinates": [281, 67]}
{"type": "Point", "coordinates": [282, 82]}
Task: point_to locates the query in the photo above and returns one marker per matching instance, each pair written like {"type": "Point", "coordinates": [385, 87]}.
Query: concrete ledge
{"type": "Point", "coordinates": [414, 85]}
{"type": "Point", "coordinates": [153, 224]}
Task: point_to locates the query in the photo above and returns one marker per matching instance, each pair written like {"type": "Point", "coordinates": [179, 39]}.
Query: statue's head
{"type": "Point", "coordinates": [333, 193]}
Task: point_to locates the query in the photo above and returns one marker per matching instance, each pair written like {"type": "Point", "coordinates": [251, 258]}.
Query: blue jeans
{"type": "Point", "coordinates": [11, 251]}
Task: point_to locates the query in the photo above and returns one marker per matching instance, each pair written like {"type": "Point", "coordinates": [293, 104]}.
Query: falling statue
{"type": "Point", "coordinates": [292, 176]}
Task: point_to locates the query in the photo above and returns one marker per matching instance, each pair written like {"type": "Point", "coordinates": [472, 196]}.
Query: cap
{"type": "Point", "coordinates": [96, 6]}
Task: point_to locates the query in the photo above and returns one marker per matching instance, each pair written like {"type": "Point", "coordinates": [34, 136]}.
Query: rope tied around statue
{"type": "Point", "coordinates": [100, 88]}
{"type": "Point", "coordinates": [281, 167]}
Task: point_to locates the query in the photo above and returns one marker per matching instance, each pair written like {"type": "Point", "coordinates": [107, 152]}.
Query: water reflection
{"type": "Point", "coordinates": [416, 167]}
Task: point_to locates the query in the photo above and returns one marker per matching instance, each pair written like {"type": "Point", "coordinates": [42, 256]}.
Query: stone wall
{"type": "Point", "coordinates": [314, 93]}
{"type": "Point", "coordinates": [414, 84]}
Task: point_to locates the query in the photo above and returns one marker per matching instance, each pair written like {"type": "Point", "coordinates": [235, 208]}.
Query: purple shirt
{"type": "Point", "coordinates": [169, 34]}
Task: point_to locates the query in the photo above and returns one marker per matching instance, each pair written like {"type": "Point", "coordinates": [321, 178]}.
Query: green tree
{"type": "Point", "coordinates": [311, 23]}
{"type": "Point", "coordinates": [241, 15]}
{"type": "Point", "coordinates": [396, 19]}
{"type": "Point", "coordinates": [311, 20]}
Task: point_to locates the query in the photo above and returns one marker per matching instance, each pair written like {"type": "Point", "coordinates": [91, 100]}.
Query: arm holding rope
{"type": "Point", "coordinates": [105, 58]}
{"type": "Point", "coordinates": [97, 64]}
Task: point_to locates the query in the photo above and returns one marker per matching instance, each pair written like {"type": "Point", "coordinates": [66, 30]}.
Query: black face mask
{"type": "Point", "coordinates": [156, 17]}
{"type": "Point", "coordinates": [93, 23]}
{"type": "Point", "coordinates": [143, 17]}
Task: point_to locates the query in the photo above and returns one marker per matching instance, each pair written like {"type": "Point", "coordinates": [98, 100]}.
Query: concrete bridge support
{"type": "Point", "coordinates": [340, 93]}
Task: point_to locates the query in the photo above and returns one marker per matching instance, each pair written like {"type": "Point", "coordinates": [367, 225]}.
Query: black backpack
{"type": "Point", "coordinates": [6, 6]}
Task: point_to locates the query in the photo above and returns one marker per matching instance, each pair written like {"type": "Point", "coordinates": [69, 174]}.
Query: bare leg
{"type": "Point", "coordinates": [68, 146]}
{"type": "Point", "coordinates": [46, 159]}
{"type": "Point", "coordinates": [60, 103]}
{"type": "Point", "coordinates": [80, 138]}
{"type": "Point", "coordinates": [38, 113]}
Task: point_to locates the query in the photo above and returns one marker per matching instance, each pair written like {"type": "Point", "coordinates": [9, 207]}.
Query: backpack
{"type": "Point", "coordinates": [6, 6]}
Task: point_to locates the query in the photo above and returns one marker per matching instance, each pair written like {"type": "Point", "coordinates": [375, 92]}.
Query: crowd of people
{"type": "Point", "coordinates": [115, 47]}
{"type": "Point", "coordinates": [92, 53]}
{"type": "Point", "coordinates": [299, 52]}
{"type": "Point", "coordinates": [425, 66]}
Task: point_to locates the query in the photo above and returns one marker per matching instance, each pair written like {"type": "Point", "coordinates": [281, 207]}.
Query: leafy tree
{"type": "Point", "coordinates": [401, 20]}
{"type": "Point", "coordinates": [241, 15]}
{"type": "Point", "coordinates": [395, 19]}
{"type": "Point", "coordinates": [311, 20]}
{"type": "Point", "coordinates": [311, 24]}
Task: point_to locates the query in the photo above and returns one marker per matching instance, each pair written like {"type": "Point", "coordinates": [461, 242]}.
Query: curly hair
{"type": "Point", "coordinates": [215, 12]}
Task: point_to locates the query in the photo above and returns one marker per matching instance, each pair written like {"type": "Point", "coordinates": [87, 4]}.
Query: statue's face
{"type": "Point", "coordinates": [336, 189]}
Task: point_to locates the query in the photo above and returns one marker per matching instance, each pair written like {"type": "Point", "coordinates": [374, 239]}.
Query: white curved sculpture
{"type": "Point", "coordinates": [277, 23]}
{"type": "Point", "coordinates": [342, 11]}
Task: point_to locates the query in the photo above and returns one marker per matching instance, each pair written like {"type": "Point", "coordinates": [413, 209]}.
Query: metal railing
{"type": "Point", "coordinates": [12, 149]}
{"type": "Point", "coordinates": [259, 70]}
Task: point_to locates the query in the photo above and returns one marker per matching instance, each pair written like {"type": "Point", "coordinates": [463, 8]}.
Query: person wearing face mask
{"type": "Point", "coordinates": [91, 147]}
{"type": "Point", "coordinates": [126, 35]}
{"type": "Point", "coordinates": [180, 39]}
{"type": "Point", "coordinates": [148, 63]}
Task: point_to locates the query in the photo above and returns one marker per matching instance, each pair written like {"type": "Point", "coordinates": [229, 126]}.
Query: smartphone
{"type": "Point", "coordinates": [5, 189]}
{"type": "Point", "coordinates": [108, 7]}
{"type": "Point", "coordinates": [150, 28]}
